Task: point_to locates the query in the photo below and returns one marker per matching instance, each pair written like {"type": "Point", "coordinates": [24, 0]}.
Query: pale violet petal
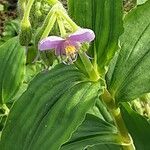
{"type": "Point", "coordinates": [82, 35]}
{"type": "Point", "coordinates": [51, 42]}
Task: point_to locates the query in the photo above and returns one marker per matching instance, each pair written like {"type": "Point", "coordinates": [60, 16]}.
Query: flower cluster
{"type": "Point", "coordinates": [72, 37]}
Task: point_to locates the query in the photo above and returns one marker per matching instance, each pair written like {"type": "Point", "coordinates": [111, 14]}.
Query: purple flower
{"type": "Point", "coordinates": [69, 46]}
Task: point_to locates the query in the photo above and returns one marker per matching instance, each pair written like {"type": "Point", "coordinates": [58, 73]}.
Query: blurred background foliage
{"type": "Point", "coordinates": [8, 12]}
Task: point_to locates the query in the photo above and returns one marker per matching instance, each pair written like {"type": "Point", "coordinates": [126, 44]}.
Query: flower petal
{"type": "Point", "coordinates": [51, 42]}
{"type": "Point", "coordinates": [82, 35]}
{"type": "Point", "coordinates": [59, 50]}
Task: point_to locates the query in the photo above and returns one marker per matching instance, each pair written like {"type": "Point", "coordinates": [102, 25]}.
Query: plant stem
{"type": "Point", "coordinates": [22, 5]}
{"type": "Point", "coordinates": [49, 26]}
{"type": "Point", "coordinates": [27, 12]}
{"type": "Point", "coordinates": [94, 76]}
{"type": "Point", "coordinates": [69, 20]}
{"type": "Point", "coordinates": [127, 143]}
{"type": "Point", "coordinates": [52, 2]}
{"type": "Point", "coordinates": [61, 26]}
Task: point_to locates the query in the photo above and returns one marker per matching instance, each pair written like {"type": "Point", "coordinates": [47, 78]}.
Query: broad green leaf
{"type": "Point", "coordinates": [12, 64]}
{"type": "Point", "coordinates": [100, 110]}
{"type": "Point", "coordinates": [30, 73]}
{"type": "Point", "coordinates": [138, 127]}
{"type": "Point", "coordinates": [104, 111]}
{"type": "Point", "coordinates": [105, 18]}
{"type": "Point", "coordinates": [129, 74]}
{"type": "Point", "coordinates": [93, 131]}
{"type": "Point", "coordinates": [50, 110]}
{"type": "Point", "coordinates": [105, 147]}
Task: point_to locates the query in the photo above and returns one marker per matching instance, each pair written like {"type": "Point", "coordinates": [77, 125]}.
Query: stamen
{"type": "Point", "coordinates": [70, 50]}
{"type": "Point", "coordinates": [71, 55]}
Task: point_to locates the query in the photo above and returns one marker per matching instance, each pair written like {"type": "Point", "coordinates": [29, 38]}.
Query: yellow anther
{"type": "Point", "coordinates": [70, 50]}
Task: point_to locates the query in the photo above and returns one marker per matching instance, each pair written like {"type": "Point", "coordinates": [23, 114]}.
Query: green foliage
{"type": "Point", "coordinates": [105, 18]}
{"type": "Point", "coordinates": [105, 147]}
{"type": "Point", "coordinates": [62, 97]}
{"type": "Point", "coordinates": [93, 131]}
{"type": "Point", "coordinates": [12, 64]}
{"type": "Point", "coordinates": [129, 73]}
{"type": "Point", "coordinates": [11, 29]}
{"type": "Point", "coordinates": [76, 107]}
{"type": "Point", "coordinates": [138, 127]}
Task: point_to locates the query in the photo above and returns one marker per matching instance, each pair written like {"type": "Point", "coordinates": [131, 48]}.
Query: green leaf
{"type": "Point", "coordinates": [12, 64]}
{"type": "Point", "coordinates": [105, 147]}
{"type": "Point", "coordinates": [105, 18]}
{"type": "Point", "coordinates": [100, 110]}
{"type": "Point", "coordinates": [93, 131]}
{"type": "Point", "coordinates": [129, 75]}
{"type": "Point", "coordinates": [138, 127]}
{"type": "Point", "coordinates": [50, 110]}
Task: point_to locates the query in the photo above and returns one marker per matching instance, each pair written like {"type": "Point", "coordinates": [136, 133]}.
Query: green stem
{"type": "Point", "coordinates": [94, 76]}
{"type": "Point", "coordinates": [49, 26]}
{"type": "Point", "coordinates": [47, 21]}
{"type": "Point", "coordinates": [127, 143]}
{"type": "Point", "coordinates": [27, 12]}
{"type": "Point", "coordinates": [22, 5]}
{"type": "Point", "coordinates": [69, 20]}
{"type": "Point", "coordinates": [61, 26]}
{"type": "Point", "coordinates": [52, 2]}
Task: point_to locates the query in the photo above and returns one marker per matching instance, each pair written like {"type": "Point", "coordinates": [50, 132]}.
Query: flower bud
{"type": "Point", "coordinates": [25, 35]}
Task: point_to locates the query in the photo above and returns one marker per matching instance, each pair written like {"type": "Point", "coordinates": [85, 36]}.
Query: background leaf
{"type": "Point", "coordinates": [50, 110]}
{"type": "Point", "coordinates": [93, 131]}
{"type": "Point", "coordinates": [12, 64]}
{"type": "Point", "coordinates": [100, 110]}
{"type": "Point", "coordinates": [138, 127]}
{"type": "Point", "coordinates": [105, 147]}
{"type": "Point", "coordinates": [105, 18]}
{"type": "Point", "coordinates": [129, 75]}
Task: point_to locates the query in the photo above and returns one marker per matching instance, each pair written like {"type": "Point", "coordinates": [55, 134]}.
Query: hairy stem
{"type": "Point", "coordinates": [61, 26]}
{"type": "Point", "coordinates": [69, 20]}
{"type": "Point", "coordinates": [127, 143]}
{"type": "Point", "coordinates": [52, 2]}
{"type": "Point", "coordinates": [27, 12]}
{"type": "Point", "coordinates": [49, 26]}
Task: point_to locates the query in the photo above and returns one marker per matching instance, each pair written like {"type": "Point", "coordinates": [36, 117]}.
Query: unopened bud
{"type": "Point", "coordinates": [25, 35]}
